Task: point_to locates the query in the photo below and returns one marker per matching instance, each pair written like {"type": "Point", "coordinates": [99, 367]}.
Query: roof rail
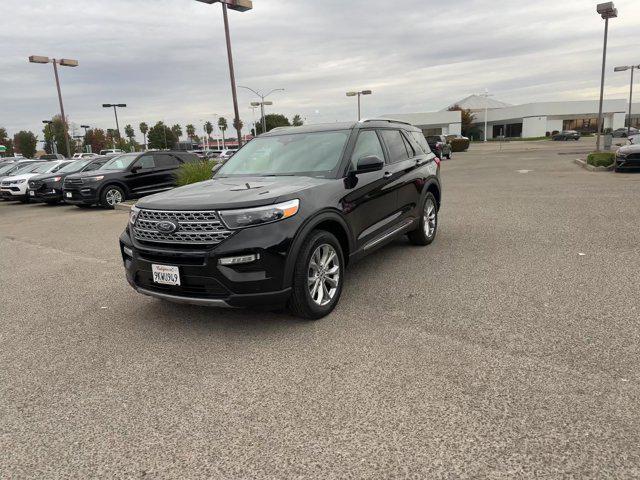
{"type": "Point", "coordinates": [385, 120]}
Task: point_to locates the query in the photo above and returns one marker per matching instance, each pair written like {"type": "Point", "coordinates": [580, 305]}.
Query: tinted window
{"type": "Point", "coordinates": [395, 144]}
{"type": "Point", "coordinates": [165, 161]}
{"type": "Point", "coordinates": [120, 162]}
{"type": "Point", "coordinates": [146, 161]}
{"type": "Point", "coordinates": [408, 145]}
{"type": "Point", "coordinates": [421, 141]}
{"type": "Point", "coordinates": [368, 144]}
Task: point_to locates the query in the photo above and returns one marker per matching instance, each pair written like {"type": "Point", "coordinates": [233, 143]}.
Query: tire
{"type": "Point", "coordinates": [429, 218]}
{"type": "Point", "coordinates": [307, 300]}
{"type": "Point", "coordinates": [111, 195]}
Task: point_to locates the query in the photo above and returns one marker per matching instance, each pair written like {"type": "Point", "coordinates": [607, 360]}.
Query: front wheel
{"type": "Point", "coordinates": [111, 196]}
{"type": "Point", "coordinates": [428, 225]}
{"type": "Point", "coordinates": [318, 276]}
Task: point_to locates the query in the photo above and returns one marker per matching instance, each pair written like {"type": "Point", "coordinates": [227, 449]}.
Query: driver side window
{"type": "Point", "coordinates": [146, 162]}
{"type": "Point", "coordinates": [367, 145]}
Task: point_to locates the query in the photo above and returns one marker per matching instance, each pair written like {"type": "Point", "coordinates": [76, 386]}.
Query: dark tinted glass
{"type": "Point", "coordinates": [395, 144]}
{"type": "Point", "coordinates": [164, 160]}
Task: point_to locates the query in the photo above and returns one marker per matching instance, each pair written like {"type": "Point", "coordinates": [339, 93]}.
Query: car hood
{"type": "Point", "coordinates": [629, 149]}
{"type": "Point", "coordinates": [45, 176]}
{"type": "Point", "coordinates": [24, 176]}
{"type": "Point", "coordinates": [230, 192]}
{"type": "Point", "coordinates": [94, 173]}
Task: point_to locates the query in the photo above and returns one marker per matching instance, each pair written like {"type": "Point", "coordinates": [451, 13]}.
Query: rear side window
{"type": "Point", "coordinates": [367, 145]}
{"type": "Point", "coordinates": [165, 160]}
{"type": "Point", "coordinates": [421, 141]}
{"type": "Point", "coordinates": [395, 145]}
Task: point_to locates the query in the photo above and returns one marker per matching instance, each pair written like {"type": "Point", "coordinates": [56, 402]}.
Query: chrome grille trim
{"type": "Point", "coordinates": [197, 227]}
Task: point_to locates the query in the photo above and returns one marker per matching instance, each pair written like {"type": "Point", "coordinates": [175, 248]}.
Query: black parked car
{"type": "Point", "coordinates": [440, 146]}
{"type": "Point", "coordinates": [48, 187]}
{"type": "Point", "coordinates": [627, 158]}
{"type": "Point", "coordinates": [566, 135]}
{"type": "Point", "coordinates": [281, 219]}
{"type": "Point", "coordinates": [126, 176]}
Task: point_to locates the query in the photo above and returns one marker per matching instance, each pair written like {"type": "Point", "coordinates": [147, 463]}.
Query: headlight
{"type": "Point", "coordinates": [53, 180]}
{"type": "Point", "coordinates": [133, 215]}
{"type": "Point", "coordinates": [249, 217]}
{"type": "Point", "coordinates": [92, 179]}
{"type": "Point", "coordinates": [17, 182]}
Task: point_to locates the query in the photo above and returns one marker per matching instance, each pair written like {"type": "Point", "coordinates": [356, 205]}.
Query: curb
{"type": "Point", "coordinates": [125, 206]}
{"type": "Point", "coordinates": [591, 168]}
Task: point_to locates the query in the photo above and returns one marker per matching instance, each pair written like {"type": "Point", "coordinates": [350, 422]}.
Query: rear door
{"type": "Point", "coordinates": [143, 177]}
{"type": "Point", "coordinates": [167, 166]}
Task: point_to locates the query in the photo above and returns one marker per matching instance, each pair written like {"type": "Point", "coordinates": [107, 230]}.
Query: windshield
{"type": "Point", "coordinates": [294, 154]}
{"type": "Point", "coordinates": [120, 162]}
{"type": "Point", "coordinates": [74, 166]}
{"type": "Point", "coordinates": [6, 168]}
{"type": "Point", "coordinates": [42, 168]}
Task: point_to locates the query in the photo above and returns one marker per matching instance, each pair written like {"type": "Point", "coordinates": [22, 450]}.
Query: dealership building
{"type": "Point", "coordinates": [527, 120]}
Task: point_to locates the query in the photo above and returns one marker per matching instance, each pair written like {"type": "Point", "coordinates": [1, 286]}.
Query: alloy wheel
{"type": "Point", "coordinates": [323, 274]}
{"type": "Point", "coordinates": [429, 217]}
{"type": "Point", "coordinates": [113, 197]}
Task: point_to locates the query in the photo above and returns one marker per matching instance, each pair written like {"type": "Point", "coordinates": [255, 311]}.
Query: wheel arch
{"type": "Point", "coordinates": [117, 183]}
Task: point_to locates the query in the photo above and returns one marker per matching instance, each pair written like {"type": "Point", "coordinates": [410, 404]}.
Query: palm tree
{"type": "Point", "coordinates": [191, 131]}
{"type": "Point", "coordinates": [296, 121]}
{"type": "Point", "coordinates": [144, 128]}
{"type": "Point", "coordinates": [208, 127]}
{"type": "Point", "coordinates": [177, 131]}
{"type": "Point", "coordinates": [128, 131]}
{"type": "Point", "coordinates": [222, 125]}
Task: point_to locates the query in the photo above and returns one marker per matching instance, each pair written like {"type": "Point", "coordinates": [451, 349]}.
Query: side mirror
{"type": "Point", "coordinates": [369, 164]}
{"type": "Point", "coordinates": [136, 169]}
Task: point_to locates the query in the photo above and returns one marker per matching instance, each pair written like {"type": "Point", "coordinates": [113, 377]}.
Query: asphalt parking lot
{"type": "Point", "coordinates": [508, 348]}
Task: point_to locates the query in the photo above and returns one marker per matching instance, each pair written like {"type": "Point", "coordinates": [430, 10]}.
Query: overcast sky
{"type": "Point", "coordinates": [167, 60]}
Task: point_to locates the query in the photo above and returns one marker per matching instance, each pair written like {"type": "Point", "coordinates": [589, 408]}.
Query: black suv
{"type": "Point", "coordinates": [130, 175]}
{"type": "Point", "coordinates": [48, 187]}
{"type": "Point", "coordinates": [281, 219]}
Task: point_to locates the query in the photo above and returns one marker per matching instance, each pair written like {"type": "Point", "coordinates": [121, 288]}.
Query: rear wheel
{"type": "Point", "coordinates": [111, 196]}
{"type": "Point", "coordinates": [428, 226]}
{"type": "Point", "coordinates": [318, 276]}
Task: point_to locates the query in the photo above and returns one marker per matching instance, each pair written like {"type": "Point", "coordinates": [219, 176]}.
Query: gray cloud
{"type": "Point", "coordinates": [166, 58]}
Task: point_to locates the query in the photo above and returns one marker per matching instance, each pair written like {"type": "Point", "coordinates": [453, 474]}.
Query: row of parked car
{"type": "Point", "coordinates": [103, 180]}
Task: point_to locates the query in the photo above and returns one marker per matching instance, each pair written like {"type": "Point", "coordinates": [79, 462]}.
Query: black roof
{"type": "Point", "coordinates": [328, 127]}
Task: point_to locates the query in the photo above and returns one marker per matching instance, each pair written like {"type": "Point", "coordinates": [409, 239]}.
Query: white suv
{"type": "Point", "coordinates": [15, 187]}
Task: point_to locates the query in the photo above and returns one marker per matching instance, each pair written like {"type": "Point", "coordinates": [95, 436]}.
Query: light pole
{"type": "Point", "coordinates": [262, 103]}
{"type": "Point", "coordinates": [115, 112]}
{"type": "Point", "coordinates": [362, 92]}
{"type": "Point", "coordinates": [624, 69]}
{"type": "Point", "coordinates": [606, 11]}
{"type": "Point", "coordinates": [486, 96]}
{"type": "Point", "coordinates": [253, 116]}
{"type": "Point", "coordinates": [239, 6]}
{"type": "Point", "coordinates": [86, 130]}
{"type": "Point", "coordinates": [65, 62]}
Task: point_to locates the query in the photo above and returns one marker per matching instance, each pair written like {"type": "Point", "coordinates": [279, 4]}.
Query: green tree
{"type": "Point", "coordinates": [177, 131]}
{"type": "Point", "coordinates": [161, 136]}
{"type": "Point", "coordinates": [55, 132]}
{"type": "Point", "coordinates": [97, 138]}
{"type": "Point", "coordinates": [191, 131]}
{"type": "Point", "coordinates": [144, 129]}
{"type": "Point", "coordinates": [296, 121]}
{"type": "Point", "coordinates": [222, 125]}
{"type": "Point", "coordinates": [6, 141]}
{"type": "Point", "coordinates": [128, 131]}
{"type": "Point", "coordinates": [273, 120]}
{"type": "Point", "coordinates": [467, 118]}
{"type": "Point", "coordinates": [208, 127]}
{"type": "Point", "coordinates": [25, 143]}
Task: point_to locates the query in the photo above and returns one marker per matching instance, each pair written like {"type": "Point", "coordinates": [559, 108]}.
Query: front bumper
{"type": "Point", "coordinates": [80, 195]}
{"type": "Point", "coordinates": [204, 281]}
{"type": "Point", "coordinates": [14, 192]}
{"type": "Point", "coordinates": [626, 163]}
{"type": "Point", "coordinates": [45, 194]}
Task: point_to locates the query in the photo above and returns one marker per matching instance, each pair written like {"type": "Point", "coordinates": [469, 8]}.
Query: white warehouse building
{"type": "Point", "coordinates": [527, 120]}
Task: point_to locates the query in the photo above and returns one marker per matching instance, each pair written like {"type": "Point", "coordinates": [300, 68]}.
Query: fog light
{"type": "Point", "coordinates": [239, 260]}
{"type": "Point", "coordinates": [128, 251]}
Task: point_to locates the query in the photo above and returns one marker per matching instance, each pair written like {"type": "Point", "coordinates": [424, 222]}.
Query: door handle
{"type": "Point", "coordinates": [388, 174]}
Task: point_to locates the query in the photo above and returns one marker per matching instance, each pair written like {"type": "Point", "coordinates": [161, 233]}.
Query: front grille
{"type": "Point", "coordinates": [36, 185]}
{"type": "Point", "coordinates": [201, 228]}
{"type": "Point", "coordinates": [633, 156]}
{"type": "Point", "coordinates": [72, 182]}
{"type": "Point", "coordinates": [6, 183]}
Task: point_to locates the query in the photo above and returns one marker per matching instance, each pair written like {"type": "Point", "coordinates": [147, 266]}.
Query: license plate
{"type": "Point", "coordinates": [165, 274]}
{"type": "Point", "coordinates": [68, 194]}
{"type": "Point", "coordinates": [32, 193]}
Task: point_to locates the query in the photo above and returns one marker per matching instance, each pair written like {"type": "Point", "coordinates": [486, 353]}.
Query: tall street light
{"type": "Point", "coordinates": [624, 69]}
{"type": "Point", "coordinates": [115, 112]}
{"type": "Point", "coordinates": [262, 103]}
{"type": "Point", "coordinates": [239, 6]}
{"type": "Point", "coordinates": [606, 11]}
{"type": "Point", "coordinates": [65, 62]}
{"type": "Point", "coordinates": [362, 92]}
{"type": "Point", "coordinates": [86, 130]}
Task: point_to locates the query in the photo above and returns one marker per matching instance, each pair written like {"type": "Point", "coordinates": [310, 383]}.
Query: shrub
{"type": "Point", "coordinates": [459, 145]}
{"type": "Point", "coordinates": [195, 172]}
{"type": "Point", "coordinates": [601, 159]}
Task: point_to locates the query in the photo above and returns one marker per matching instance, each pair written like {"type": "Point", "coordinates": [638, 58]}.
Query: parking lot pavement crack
{"type": "Point", "coordinates": [53, 250]}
